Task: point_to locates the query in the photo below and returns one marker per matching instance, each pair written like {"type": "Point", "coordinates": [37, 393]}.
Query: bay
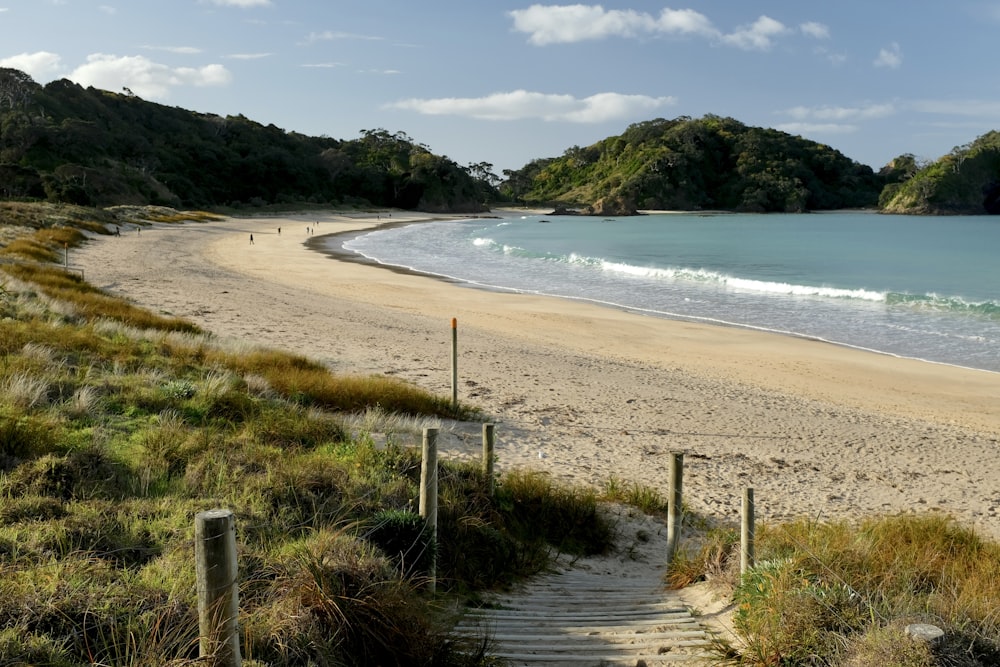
{"type": "Point", "coordinates": [920, 287]}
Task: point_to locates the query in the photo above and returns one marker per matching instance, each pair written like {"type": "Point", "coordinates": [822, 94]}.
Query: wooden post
{"type": "Point", "coordinates": [218, 588]}
{"type": "Point", "coordinates": [454, 362]}
{"type": "Point", "coordinates": [429, 493]}
{"type": "Point", "coordinates": [488, 441]}
{"type": "Point", "coordinates": [747, 532]}
{"type": "Point", "coordinates": [676, 493]}
{"type": "Point", "coordinates": [66, 255]}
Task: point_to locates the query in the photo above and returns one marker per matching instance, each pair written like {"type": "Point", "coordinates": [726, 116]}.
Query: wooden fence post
{"type": "Point", "coordinates": [676, 493]}
{"type": "Point", "coordinates": [218, 588]}
{"type": "Point", "coordinates": [429, 495]}
{"type": "Point", "coordinates": [454, 362]}
{"type": "Point", "coordinates": [488, 441]}
{"type": "Point", "coordinates": [747, 548]}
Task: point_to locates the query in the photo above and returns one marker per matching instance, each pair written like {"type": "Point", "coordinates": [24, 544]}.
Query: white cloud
{"type": "Point", "coordinates": [144, 77]}
{"type": "Point", "coordinates": [182, 50]}
{"type": "Point", "coordinates": [566, 24]}
{"type": "Point", "coordinates": [832, 120]}
{"type": "Point", "coordinates": [984, 108]}
{"type": "Point", "coordinates": [522, 104]}
{"type": "Point", "coordinates": [330, 35]}
{"type": "Point", "coordinates": [828, 113]}
{"type": "Point", "coordinates": [813, 29]}
{"type": "Point", "coordinates": [108, 9]}
{"type": "Point", "coordinates": [891, 57]}
{"type": "Point", "coordinates": [831, 57]}
{"type": "Point", "coordinates": [757, 36]}
{"type": "Point", "coordinates": [248, 56]}
{"type": "Point", "coordinates": [817, 128]}
{"type": "Point", "coordinates": [323, 65]}
{"type": "Point", "coordinates": [685, 21]}
{"type": "Point", "coordinates": [39, 65]}
{"type": "Point", "coordinates": [576, 23]}
{"type": "Point", "coordinates": [242, 3]}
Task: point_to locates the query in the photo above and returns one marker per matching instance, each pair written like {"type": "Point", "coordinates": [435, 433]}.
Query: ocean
{"type": "Point", "coordinates": [920, 287]}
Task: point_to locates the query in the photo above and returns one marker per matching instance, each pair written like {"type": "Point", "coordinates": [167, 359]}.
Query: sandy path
{"type": "Point", "coordinates": [587, 393]}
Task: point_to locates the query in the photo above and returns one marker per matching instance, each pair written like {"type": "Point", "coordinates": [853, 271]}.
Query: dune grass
{"type": "Point", "coordinates": [842, 593]}
{"type": "Point", "coordinates": [117, 426]}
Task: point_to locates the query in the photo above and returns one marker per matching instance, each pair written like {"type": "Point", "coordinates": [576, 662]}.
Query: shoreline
{"type": "Point", "coordinates": [587, 393]}
{"type": "Point", "coordinates": [339, 253]}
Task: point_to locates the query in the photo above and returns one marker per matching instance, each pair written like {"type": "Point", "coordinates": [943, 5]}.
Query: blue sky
{"type": "Point", "coordinates": [507, 82]}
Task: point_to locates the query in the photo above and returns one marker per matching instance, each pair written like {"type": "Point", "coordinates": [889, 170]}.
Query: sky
{"type": "Point", "coordinates": [507, 82]}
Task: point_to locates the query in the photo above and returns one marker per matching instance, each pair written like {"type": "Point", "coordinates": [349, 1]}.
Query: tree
{"type": "Point", "coordinates": [16, 88]}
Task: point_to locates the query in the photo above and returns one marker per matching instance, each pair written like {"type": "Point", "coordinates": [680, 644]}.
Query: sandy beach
{"type": "Point", "coordinates": [588, 393]}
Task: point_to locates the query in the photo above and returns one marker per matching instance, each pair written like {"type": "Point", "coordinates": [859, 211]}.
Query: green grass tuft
{"type": "Point", "coordinates": [838, 589]}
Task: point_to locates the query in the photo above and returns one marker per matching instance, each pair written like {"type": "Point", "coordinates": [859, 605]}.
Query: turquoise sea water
{"type": "Point", "coordinates": [921, 287]}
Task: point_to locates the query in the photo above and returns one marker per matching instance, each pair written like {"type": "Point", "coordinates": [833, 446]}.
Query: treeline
{"type": "Point", "coordinates": [965, 181]}
{"type": "Point", "coordinates": [63, 142]}
{"type": "Point", "coordinates": [699, 164]}
{"type": "Point", "coordinates": [722, 164]}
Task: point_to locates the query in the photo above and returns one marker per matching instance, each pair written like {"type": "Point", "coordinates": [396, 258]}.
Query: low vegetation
{"type": "Point", "coordinates": [117, 426]}
{"type": "Point", "coordinates": [842, 593]}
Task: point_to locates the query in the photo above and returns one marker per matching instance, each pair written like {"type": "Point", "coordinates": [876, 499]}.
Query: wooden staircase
{"type": "Point", "coordinates": [588, 618]}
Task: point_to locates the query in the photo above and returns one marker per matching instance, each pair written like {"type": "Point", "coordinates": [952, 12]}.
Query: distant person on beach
{"type": "Point", "coordinates": [251, 239]}
{"type": "Point", "coordinates": [279, 231]}
{"type": "Point", "coordinates": [118, 231]}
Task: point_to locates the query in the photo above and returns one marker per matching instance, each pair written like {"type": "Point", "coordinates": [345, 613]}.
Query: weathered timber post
{"type": "Point", "coordinates": [429, 495]}
{"type": "Point", "coordinates": [747, 530]}
{"type": "Point", "coordinates": [454, 362]}
{"type": "Point", "coordinates": [65, 255]}
{"type": "Point", "coordinates": [218, 588]}
{"type": "Point", "coordinates": [488, 442]}
{"type": "Point", "coordinates": [676, 493]}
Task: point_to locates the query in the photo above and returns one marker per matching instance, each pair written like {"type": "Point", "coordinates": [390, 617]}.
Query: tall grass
{"type": "Point", "coordinates": [839, 591]}
{"type": "Point", "coordinates": [117, 426]}
{"type": "Point", "coordinates": [89, 302]}
{"type": "Point", "coordinates": [310, 383]}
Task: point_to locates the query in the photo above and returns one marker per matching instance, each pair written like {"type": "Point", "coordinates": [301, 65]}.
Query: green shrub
{"type": "Point", "coordinates": [824, 587]}
{"type": "Point", "coordinates": [537, 508]}
{"type": "Point", "coordinates": [404, 537]}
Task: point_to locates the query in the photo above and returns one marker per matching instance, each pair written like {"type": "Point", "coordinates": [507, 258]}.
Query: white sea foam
{"type": "Point", "coordinates": [841, 278]}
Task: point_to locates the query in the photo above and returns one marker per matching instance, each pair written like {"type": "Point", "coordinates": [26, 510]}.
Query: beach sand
{"type": "Point", "coordinates": [587, 393]}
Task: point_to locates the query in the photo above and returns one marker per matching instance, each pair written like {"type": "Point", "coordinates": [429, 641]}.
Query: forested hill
{"type": "Point", "coordinates": [966, 181]}
{"type": "Point", "coordinates": [698, 164]}
{"type": "Point", "coordinates": [63, 142]}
